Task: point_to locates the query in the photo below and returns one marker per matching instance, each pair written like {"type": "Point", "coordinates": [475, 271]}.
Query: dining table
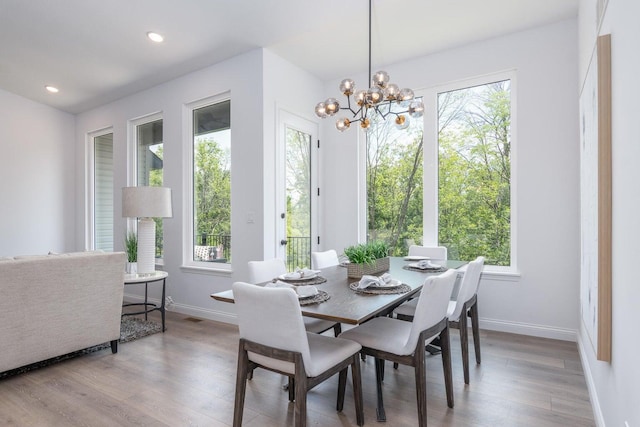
{"type": "Point", "coordinates": [351, 307]}
{"type": "Point", "coordinates": [354, 307]}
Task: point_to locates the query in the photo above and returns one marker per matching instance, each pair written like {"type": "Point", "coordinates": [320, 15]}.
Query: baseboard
{"type": "Point", "coordinates": [190, 310]}
{"type": "Point", "coordinates": [529, 329]}
{"type": "Point", "coordinates": [591, 386]}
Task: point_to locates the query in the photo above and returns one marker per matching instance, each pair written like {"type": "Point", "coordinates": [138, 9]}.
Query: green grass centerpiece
{"type": "Point", "coordinates": [367, 258]}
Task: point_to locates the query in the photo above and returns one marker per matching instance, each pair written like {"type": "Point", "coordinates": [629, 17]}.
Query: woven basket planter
{"type": "Point", "coordinates": [356, 271]}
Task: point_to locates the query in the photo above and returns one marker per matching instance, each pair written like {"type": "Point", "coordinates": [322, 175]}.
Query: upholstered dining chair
{"type": "Point", "coordinates": [435, 252]}
{"type": "Point", "coordinates": [264, 271]}
{"type": "Point", "coordinates": [324, 259]}
{"type": "Point", "coordinates": [466, 302]}
{"type": "Point", "coordinates": [466, 305]}
{"type": "Point", "coordinates": [395, 340]}
{"type": "Point", "coordinates": [273, 337]}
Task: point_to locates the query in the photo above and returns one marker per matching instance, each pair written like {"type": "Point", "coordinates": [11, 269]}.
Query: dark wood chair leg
{"type": "Point", "coordinates": [337, 329]}
{"type": "Point", "coordinates": [291, 388]}
{"type": "Point", "coordinates": [420, 371]}
{"type": "Point", "coordinates": [300, 404]}
{"type": "Point", "coordinates": [114, 346]}
{"type": "Point", "coordinates": [241, 386]}
{"type": "Point", "coordinates": [445, 345]}
{"type": "Point", "coordinates": [475, 327]}
{"type": "Point", "coordinates": [342, 385]}
{"type": "Point", "coordinates": [356, 379]}
{"type": "Point", "coordinates": [464, 342]}
{"type": "Point", "coordinates": [381, 416]}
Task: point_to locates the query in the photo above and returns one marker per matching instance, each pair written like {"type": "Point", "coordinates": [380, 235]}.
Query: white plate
{"type": "Point", "coordinates": [416, 258]}
{"type": "Point", "coordinates": [293, 279]}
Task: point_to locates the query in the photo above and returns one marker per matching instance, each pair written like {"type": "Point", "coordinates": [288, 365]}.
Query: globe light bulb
{"type": "Point", "coordinates": [320, 110]}
{"type": "Point", "coordinates": [365, 123]}
{"type": "Point", "coordinates": [402, 122]}
{"type": "Point", "coordinates": [347, 86]}
{"type": "Point", "coordinates": [331, 106]}
{"type": "Point", "coordinates": [405, 94]}
{"type": "Point", "coordinates": [380, 79]}
{"type": "Point", "coordinates": [343, 124]}
{"type": "Point", "coordinates": [391, 92]}
{"type": "Point", "coordinates": [360, 96]}
{"type": "Point", "coordinates": [416, 108]}
{"type": "Point", "coordinates": [374, 96]}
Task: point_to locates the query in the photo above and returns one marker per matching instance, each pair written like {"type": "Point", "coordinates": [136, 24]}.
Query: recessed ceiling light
{"type": "Point", "coordinates": [155, 37]}
{"type": "Point", "coordinates": [52, 89]}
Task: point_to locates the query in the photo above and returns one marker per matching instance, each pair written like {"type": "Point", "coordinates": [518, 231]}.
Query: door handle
{"type": "Point", "coordinates": [283, 242]}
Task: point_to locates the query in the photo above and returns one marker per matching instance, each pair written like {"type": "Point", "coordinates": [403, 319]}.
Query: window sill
{"type": "Point", "coordinates": [500, 274]}
{"type": "Point", "coordinates": [213, 269]}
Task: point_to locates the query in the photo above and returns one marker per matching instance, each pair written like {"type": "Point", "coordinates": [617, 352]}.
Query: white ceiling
{"type": "Point", "coordinates": [96, 51]}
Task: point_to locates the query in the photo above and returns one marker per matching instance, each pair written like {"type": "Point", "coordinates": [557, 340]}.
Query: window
{"type": "Point", "coordinates": [394, 183]}
{"type": "Point", "coordinates": [474, 172]}
{"type": "Point", "coordinates": [101, 221]}
{"type": "Point", "coordinates": [149, 162]}
{"type": "Point", "coordinates": [453, 187]}
{"type": "Point", "coordinates": [211, 136]}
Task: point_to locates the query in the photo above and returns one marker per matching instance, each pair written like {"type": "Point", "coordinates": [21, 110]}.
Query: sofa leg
{"type": "Point", "coordinates": [114, 346]}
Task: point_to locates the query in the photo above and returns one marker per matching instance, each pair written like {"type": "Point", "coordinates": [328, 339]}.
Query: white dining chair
{"type": "Point", "coordinates": [395, 340]}
{"type": "Point", "coordinates": [265, 271]}
{"type": "Point", "coordinates": [466, 305]}
{"type": "Point", "coordinates": [273, 337]}
{"type": "Point", "coordinates": [466, 302]}
{"type": "Point", "coordinates": [433, 252]}
{"type": "Point", "coordinates": [324, 259]}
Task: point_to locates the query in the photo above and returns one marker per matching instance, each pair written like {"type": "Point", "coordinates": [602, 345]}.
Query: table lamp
{"type": "Point", "coordinates": [146, 203]}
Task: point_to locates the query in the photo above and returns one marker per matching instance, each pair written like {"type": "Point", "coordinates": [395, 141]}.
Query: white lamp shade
{"type": "Point", "coordinates": [146, 202]}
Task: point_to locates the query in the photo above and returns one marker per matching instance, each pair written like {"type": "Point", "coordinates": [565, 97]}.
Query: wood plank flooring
{"type": "Point", "coordinates": [186, 377]}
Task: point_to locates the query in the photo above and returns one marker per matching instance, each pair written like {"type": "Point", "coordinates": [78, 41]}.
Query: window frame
{"type": "Point", "coordinates": [188, 187]}
{"type": "Point", "coordinates": [90, 229]}
{"type": "Point", "coordinates": [132, 160]}
{"type": "Point", "coordinates": [431, 160]}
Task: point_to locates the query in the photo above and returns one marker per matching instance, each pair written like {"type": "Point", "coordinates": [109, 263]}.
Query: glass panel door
{"type": "Point", "coordinates": [297, 235]}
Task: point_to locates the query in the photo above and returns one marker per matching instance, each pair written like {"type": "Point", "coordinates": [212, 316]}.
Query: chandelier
{"type": "Point", "coordinates": [382, 98]}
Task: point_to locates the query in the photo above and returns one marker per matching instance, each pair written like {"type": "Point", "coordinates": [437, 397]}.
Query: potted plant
{"type": "Point", "coordinates": [131, 248]}
{"type": "Point", "coordinates": [367, 258]}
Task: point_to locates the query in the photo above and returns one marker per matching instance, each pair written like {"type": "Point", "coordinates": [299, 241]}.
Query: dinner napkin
{"type": "Point", "coordinates": [300, 273]}
{"type": "Point", "coordinates": [306, 291]}
{"type": "Point", "coordinates": [427, 265]}
{"type": "Point", "coordinates": [373, 281]}
{"type": "Point", "coordinates": [302, 291]}
{"type": "Point", "coordinates": [279, 284]}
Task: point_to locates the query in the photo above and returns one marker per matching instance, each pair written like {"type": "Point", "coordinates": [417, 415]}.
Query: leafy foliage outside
{"type": "Point", "coordinates": [212, 190]}
{"type": "Point", "coordinates": [474, 192]}
{"type": "Point", "coordinates": [474, 173]}
{"type": "Point", "coordinates": [394, 183]}
{"type": "Point", "coordinates": [298, 194]}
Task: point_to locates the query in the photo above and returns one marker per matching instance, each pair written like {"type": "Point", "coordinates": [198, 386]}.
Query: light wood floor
{"type": "Point", "coordinates": [186, 377]}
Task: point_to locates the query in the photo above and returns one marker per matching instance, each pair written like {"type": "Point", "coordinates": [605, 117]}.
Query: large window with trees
{"type": "Point", "coordinates": [211, 136]}
{"type": "Point", "coordinates": [149, 163]}
{"type": "Point", "coordinates": [450, 186]}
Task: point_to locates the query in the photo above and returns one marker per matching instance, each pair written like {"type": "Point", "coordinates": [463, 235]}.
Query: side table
{"type": "Point", "coordinates": [156, 276]}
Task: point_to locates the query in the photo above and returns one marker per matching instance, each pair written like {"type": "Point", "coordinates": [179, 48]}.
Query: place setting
{"type": "Point", "coordinates": [379, 285]}
{"type": "Point", "coordinates": [307, 294]}
{"type": "Point", "coordinates": [302, 277]}
{"type": "Point", "coordinates": [423, 264]}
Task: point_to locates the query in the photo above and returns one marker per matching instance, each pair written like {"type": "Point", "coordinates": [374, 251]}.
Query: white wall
{"type": "Point", "coordinates": [543, 301]}
{"type": "Point", "coordinates": [260, 84]}
{"type": "Point", "coordinates": [242, 77]}
{"type": "Point", "coordinates": [37, 182]}
{"type": "Point", "coordinates": [614, 386]}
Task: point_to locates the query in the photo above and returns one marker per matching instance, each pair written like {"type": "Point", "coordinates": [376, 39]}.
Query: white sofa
{"type": "Point", "coordinates": [56, 304]}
